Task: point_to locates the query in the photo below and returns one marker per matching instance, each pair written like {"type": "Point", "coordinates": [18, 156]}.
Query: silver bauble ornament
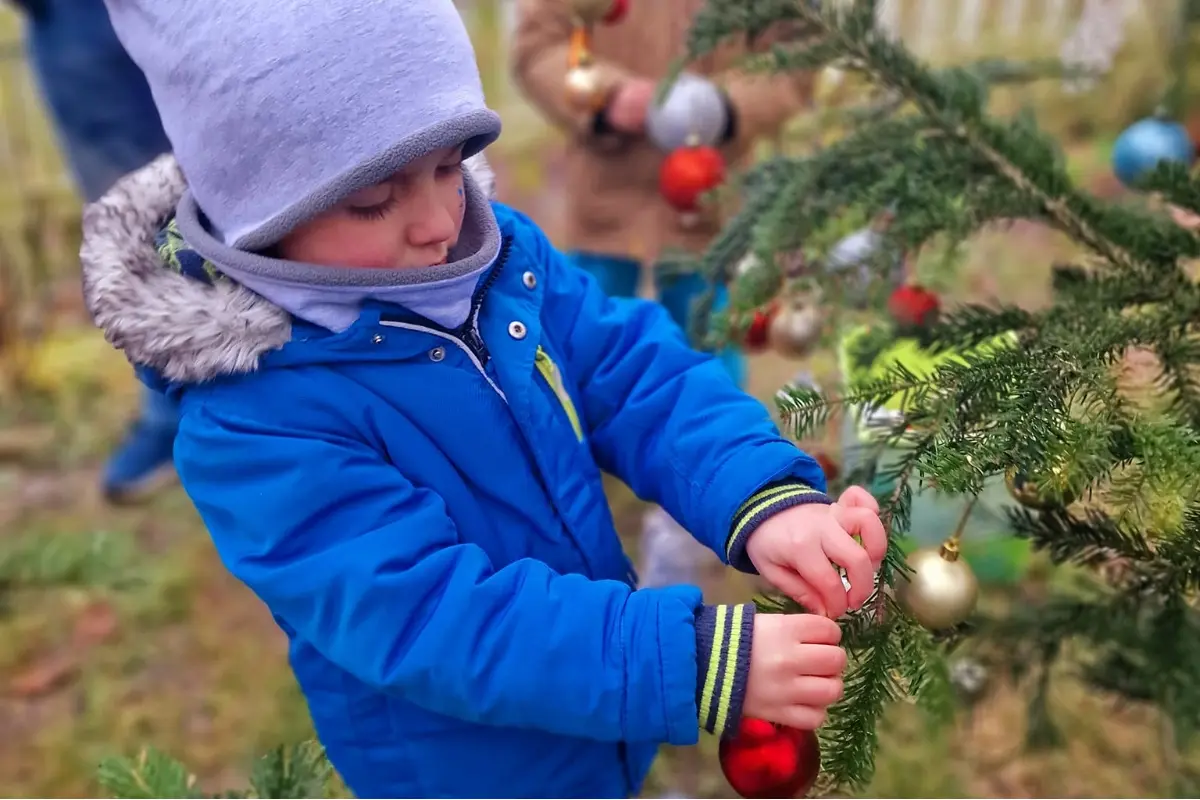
{"type": "Point", "coordinates": [855, 250]}
{"type": "Point", "coordinates": [969, 676]}
{"type": "Point", "coordinates": [693, 113]}
{"type": "Point", "coordinates": [748, 263]}
{"type": "Point", "coordinates": [854, 255]}
{"type": "Point", "coordinates": [942, 590]}
{"type": "Point", "coordinates": [795, 330]}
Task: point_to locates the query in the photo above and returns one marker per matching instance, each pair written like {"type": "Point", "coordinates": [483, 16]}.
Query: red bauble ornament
{"type": "Point", "coordinates": [616, 13]}
{"type": "Point", "coordinates": [689, 172]}
{"type": "Point", "coordinates": [755, 339]}
{"type": "Point", "coordinates": [768, 760]}
{"type": "Point", "coordinates": [913, 306]}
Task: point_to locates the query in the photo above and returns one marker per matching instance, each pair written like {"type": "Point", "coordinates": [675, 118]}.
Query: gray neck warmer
{"type": "Point", "coordinates": [331, 296]}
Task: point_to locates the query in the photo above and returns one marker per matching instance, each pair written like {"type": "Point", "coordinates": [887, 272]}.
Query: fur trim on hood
{"type": "Point", "coordinates": [186, 330]}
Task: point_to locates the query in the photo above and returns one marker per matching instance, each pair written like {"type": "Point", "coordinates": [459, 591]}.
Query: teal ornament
{"type": "Point", "coordinates": [1145, 143]}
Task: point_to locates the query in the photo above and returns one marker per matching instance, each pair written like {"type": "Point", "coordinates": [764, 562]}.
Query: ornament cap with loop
{"type": "Point", "coordinates": [589, 12]}
{"type": "Point", "coordinates": [950, 550]}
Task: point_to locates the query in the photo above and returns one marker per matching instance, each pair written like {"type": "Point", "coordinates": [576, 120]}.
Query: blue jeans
{"type": "Point", "coordinates": [107, 126]}
{"type": "Point", "coordinates": [618, 277]}
{"type": "Point", "coordinates": [99, 100]}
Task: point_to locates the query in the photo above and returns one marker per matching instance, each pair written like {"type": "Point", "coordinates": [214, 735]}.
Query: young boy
{"type": "Point", "coordinates": [396, 401]}
{"type": "Point", "coordinates": [614, 215]}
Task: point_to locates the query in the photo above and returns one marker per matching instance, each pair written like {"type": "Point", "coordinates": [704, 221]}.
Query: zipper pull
{"type": "Point", "coordinates": [473, 340]}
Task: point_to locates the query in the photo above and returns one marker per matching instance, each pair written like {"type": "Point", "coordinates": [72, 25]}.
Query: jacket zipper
{"type": "Point", "coordinates": [470, 329]}
{"type": "Point", "coordinates": [549, 370]}
{"type": "Point", "coordinates": [466, 336]}
{"type": "Point", "coordinates": [462, 344]}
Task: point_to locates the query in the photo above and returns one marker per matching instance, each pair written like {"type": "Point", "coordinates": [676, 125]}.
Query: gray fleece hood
{"type": "Point", "coordinates": [186, 330]}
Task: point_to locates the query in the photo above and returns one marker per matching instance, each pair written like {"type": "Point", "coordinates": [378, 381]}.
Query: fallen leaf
{"type": "Point", "coordinates": [23, 443]}
{"type": "Point", "coordinates": [95, 624]}
{"type": "Point", "coordinates": [44, 676]}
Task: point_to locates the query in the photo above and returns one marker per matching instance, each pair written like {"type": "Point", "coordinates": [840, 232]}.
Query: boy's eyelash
{"type": "Point", "coordinates": [377, 211]}
{"type": "Point", "coordinates": [380, 210]}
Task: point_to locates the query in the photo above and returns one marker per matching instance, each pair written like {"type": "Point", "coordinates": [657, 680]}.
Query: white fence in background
{"type": "Point", "coordinates": [930, 26]}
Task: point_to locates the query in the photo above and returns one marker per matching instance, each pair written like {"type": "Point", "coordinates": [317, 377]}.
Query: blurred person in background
{"type": "Point", "coordinates": [107, 126]}
{"type": "Point", "coordinates": [616, 219]}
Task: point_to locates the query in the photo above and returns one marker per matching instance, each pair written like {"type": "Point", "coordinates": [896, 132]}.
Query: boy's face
{"type": "Point", "coordinates": [409, 221]}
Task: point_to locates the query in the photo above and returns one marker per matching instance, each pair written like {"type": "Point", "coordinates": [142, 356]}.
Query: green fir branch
{"type": "Point", "coordinates": [1054, 402]}
{"type": "Point", "coordinates": [286, 772]}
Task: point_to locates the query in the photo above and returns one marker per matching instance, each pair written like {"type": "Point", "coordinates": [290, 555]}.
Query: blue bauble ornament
{"type": "Point", "coordinates": [1143, 144]}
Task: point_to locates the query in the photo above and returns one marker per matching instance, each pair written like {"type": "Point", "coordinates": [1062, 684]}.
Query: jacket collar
{"type": "Point", "coordinates": [186, 330]}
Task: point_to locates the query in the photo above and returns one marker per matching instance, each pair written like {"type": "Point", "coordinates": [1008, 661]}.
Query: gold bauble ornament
{"type": "Point", "coordinates": [795, 330]}
{"type": "Point", "coordinates": [1028, 495]}
{"type": "Point", "coordinates": [942, 590]}
{"type": "Point", "coordinates": [590, 12]}
{"type": "Point", "coordinates": [586, 90]}
{"type": "Point", "coordinates": [829, 86]}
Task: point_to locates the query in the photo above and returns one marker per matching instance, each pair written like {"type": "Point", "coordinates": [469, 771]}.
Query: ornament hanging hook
{"type": "Point", "coordinates": [951, 547]}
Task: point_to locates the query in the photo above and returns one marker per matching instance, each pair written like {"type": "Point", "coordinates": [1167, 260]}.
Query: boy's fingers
{"type": "Point", "coordinates": [802, 718]}
{"type": "Point", "coordinates": [866, 525]}
{"type": "Point", "coordinates": [812, 629]}
{"type": "Point", "coordinates": [817, 692]}
{"type": "Point", "coordinates": [815, 569]}
{"type": "Point", "coordinates": [860, 570]}
{"type": "Point", "coordinates": [795, 587]}
{"type": "Point", "coordinates": [858, 497]}
{"type": "Point", "coordinates": [821, 660]}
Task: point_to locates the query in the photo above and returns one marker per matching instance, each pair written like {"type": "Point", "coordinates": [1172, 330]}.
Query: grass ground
{"type": "Point", "coordinates": [179, 655]}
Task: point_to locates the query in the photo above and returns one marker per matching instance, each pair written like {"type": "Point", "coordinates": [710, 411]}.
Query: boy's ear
{"type": "Point", "coordinates": [481, 171]}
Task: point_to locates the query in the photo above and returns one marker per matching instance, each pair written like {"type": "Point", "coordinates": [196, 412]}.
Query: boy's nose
{"type": "Point", "coordinates": [432, 223]}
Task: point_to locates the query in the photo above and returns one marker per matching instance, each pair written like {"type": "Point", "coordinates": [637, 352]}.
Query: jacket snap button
{"type": "Point", "coordinates": [516, 329]}
{"type": "Point", "coordinates": [437, 354]}
{"type": "Point", "coordinates": [529, 279]}
{"type": "Point", "coordinates": [377, 338]}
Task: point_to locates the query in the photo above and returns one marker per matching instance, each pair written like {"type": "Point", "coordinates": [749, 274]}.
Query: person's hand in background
{"type": "Point", "coordinates": [627, 108]}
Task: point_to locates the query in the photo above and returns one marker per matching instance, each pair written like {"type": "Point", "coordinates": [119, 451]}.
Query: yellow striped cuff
{"type": "Point", "coordinates": [765, 503]}
{"type": "Point", "coordinates": [723, 635]}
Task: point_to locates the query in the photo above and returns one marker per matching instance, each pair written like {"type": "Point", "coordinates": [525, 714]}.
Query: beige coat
{"type": "Point", "coordinates": [613, 205]}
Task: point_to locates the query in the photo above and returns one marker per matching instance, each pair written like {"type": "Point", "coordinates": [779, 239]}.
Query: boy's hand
{"type": "Point", "coordinates": [795, 550]}
{"type": "Point", "coordinates": [626, 111]}
{"type": "Point", "coordinates": [795, 669]}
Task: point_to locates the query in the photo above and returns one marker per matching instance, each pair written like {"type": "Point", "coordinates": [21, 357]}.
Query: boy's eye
{"type": "Point", "coordinates": [371, 196]}
{"type": "Point", "coordinates": [372, 202]}
{"type": "Point", "coordinates": [446, 170]}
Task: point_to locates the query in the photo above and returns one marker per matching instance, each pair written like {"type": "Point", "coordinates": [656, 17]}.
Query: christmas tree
{"type": "Point", "coordinates": [1100, 467]}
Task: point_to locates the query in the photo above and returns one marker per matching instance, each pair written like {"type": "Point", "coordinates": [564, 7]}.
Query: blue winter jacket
{"type": "Point", "coordinates": [423, 513]}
